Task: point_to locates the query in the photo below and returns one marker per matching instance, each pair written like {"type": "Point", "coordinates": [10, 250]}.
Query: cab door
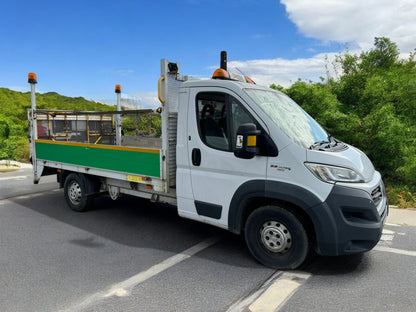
{"type": "Point", "coordinates": [213, 120]}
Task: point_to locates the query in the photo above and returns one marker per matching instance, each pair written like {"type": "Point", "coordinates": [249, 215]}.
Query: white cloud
{"type": "Point", "coordinates": [352, 22]}
{"type": "Point", "coordinates": [25, 89]}
{"type": "Point", "coordinates": [356, 21]}
{"type": "Point", "coordinates": [147, 99]}
{"type": "Point", "coordinates": [285, 72]}
{"type": "Point", "coordinates": [139, 100]}
{"type": "Point", "coordinates": [20, 88]}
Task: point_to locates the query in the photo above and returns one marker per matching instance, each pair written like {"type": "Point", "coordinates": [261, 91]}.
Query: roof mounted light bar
{"type": "Point", "coordinates": [222, 72]}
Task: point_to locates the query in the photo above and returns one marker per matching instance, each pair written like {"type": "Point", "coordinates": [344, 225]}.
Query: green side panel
{"type": "Point", "coordinates": [134, 162]}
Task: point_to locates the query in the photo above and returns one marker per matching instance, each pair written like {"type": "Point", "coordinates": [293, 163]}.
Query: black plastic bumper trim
{"type": "Point", "coordinates": [347, 222]}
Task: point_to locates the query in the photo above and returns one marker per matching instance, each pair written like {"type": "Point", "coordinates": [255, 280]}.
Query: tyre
{"type": "Point", "coordinates": [276, 238]}
{"type": "Point", "coordinates": [75, 193]}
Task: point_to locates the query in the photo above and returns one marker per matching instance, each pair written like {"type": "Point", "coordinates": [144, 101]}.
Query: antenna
{"type": "Point", "coordinates": [240, 71]}
{"type": "Point", "coordinates": [223, 62]}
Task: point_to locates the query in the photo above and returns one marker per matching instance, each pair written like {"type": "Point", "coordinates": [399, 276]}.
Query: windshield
{"type": "Point", "coordinates": [289, 116]}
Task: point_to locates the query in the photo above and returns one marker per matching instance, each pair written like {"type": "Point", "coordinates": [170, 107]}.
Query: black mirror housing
{"type": "Point", "coordinates": [246, 141]}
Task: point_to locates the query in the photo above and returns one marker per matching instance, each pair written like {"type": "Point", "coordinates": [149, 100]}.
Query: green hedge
{"type": "Point", "coordinates": [371, 105]}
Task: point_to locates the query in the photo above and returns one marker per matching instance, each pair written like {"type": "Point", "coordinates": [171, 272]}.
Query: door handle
{"type": "Point", "coordinates": [196, 156]}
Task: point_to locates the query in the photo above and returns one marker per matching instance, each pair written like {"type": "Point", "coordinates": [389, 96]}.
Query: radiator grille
{"type": "Point", "coordinates": [377, 195]}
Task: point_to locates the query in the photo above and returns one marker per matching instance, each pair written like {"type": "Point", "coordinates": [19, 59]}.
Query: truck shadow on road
{"type": "Point", "coordinates": [136, 222]}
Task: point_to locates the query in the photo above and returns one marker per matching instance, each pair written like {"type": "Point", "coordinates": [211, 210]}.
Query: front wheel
{"type": "Point", "coordinates": [75, 193]}
{"type": "Point", "coordinates": [276, 238]}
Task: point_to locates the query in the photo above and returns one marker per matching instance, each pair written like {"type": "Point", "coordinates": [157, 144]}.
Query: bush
{"type": "Point", "coordinates": [403, 196]}
{"type": "Point", "coordinates": [22, 152]}
{"type": "Point", "coordinates": [371, 105]}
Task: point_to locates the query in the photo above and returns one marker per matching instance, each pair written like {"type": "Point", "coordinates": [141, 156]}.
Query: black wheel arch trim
{"type": "Point", "coordinates": [273, 190]}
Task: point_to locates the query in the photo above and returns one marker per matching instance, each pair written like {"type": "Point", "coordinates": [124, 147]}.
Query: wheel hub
{"type": "Point", "coordinates": [275, 237]}
{"type": "Point", "coordinates": [75, 193]}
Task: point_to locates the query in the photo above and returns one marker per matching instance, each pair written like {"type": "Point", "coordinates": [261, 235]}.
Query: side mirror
{"type": "Point", "coordinates": [246, 142]}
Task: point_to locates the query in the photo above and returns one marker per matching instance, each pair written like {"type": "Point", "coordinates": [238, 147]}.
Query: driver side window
{"type": "Point", "coordinates": [240, 116]}
{"type": "Point", "coordinates": [218, 117]}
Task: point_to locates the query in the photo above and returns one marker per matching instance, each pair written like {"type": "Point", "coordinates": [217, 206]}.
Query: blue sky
{"type": "Point", "coordinates": [83, 48]}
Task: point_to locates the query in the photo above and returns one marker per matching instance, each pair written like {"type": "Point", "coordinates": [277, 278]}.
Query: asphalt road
{"type": "Point", "coordinates": [131, 255]}
{"type": "Point", "coordinates": [20, 182]}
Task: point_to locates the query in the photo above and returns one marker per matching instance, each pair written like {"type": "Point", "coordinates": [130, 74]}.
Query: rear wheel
{"type": "Point", "coordinates": [75, 193]}
{"type": "Point", "coordinates": [277, 238]}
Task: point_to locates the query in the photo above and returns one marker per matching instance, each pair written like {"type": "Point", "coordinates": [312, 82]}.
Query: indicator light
{"type": "Point", "coordinates": [249, 80]}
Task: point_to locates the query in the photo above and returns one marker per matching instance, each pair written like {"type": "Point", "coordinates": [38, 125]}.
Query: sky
{"type": "Point", "coordinates": [85, 47]}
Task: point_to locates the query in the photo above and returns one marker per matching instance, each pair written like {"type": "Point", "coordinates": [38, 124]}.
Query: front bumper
{"type": "Point", "coordinates": [350, 220]}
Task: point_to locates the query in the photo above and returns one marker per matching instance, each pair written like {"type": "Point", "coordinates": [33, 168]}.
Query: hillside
{"type": "Point", "coordinates": [13, 117]}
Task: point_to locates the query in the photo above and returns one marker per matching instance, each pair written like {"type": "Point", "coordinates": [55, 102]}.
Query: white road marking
{"type": "Point", "coordinates": [386, 238]}
{"type": "Point", "coordinates": [31, 195]}
{"type": "Point", "coordinates": [162, 266]}
{"type": "Point", "coordinates": [241, 304]}
{"type": "Point", "coordinates": [392, 224]}
{"type": "Point", "coordinates": [273, 294]}
{"type": "Point", "coordinates": [14, 178]}
{"type": "Point", "coordinates": [387, 235]}
{"type": "Point", "coordinates": [287, 284]}
{"type": "Point", "coordinates": [124, 288]}
{"type": "Point", "coordinates": [396, 251]}
{"type": "Point", "coordinates": [280, 292]}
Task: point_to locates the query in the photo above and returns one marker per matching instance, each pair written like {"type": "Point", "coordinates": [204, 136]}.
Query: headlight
{"type": "Point", "coordinates": [332, 174]}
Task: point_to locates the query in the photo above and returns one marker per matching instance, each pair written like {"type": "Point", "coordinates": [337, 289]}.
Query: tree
{"type": "Point", "coordinates": [372, 105]}
{"type": "Point", "coordinates": [383, 56]}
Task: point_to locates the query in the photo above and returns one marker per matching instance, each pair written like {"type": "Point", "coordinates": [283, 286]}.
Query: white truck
{"type": "Point", "coordinates": [232, 154]}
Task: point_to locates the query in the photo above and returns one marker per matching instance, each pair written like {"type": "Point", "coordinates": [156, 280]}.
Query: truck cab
{"type": "Point", "coordinates": [250, 160]}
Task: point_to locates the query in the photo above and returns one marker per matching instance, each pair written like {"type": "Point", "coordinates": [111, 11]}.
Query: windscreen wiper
{"type": "Point", "coordinates": [320, 143]}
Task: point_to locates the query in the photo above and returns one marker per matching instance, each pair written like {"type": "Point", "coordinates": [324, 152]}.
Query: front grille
{"type": "Point", "coordinates": [377, 195]}
{"type": "Point", "coordinates": [382, 214]}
